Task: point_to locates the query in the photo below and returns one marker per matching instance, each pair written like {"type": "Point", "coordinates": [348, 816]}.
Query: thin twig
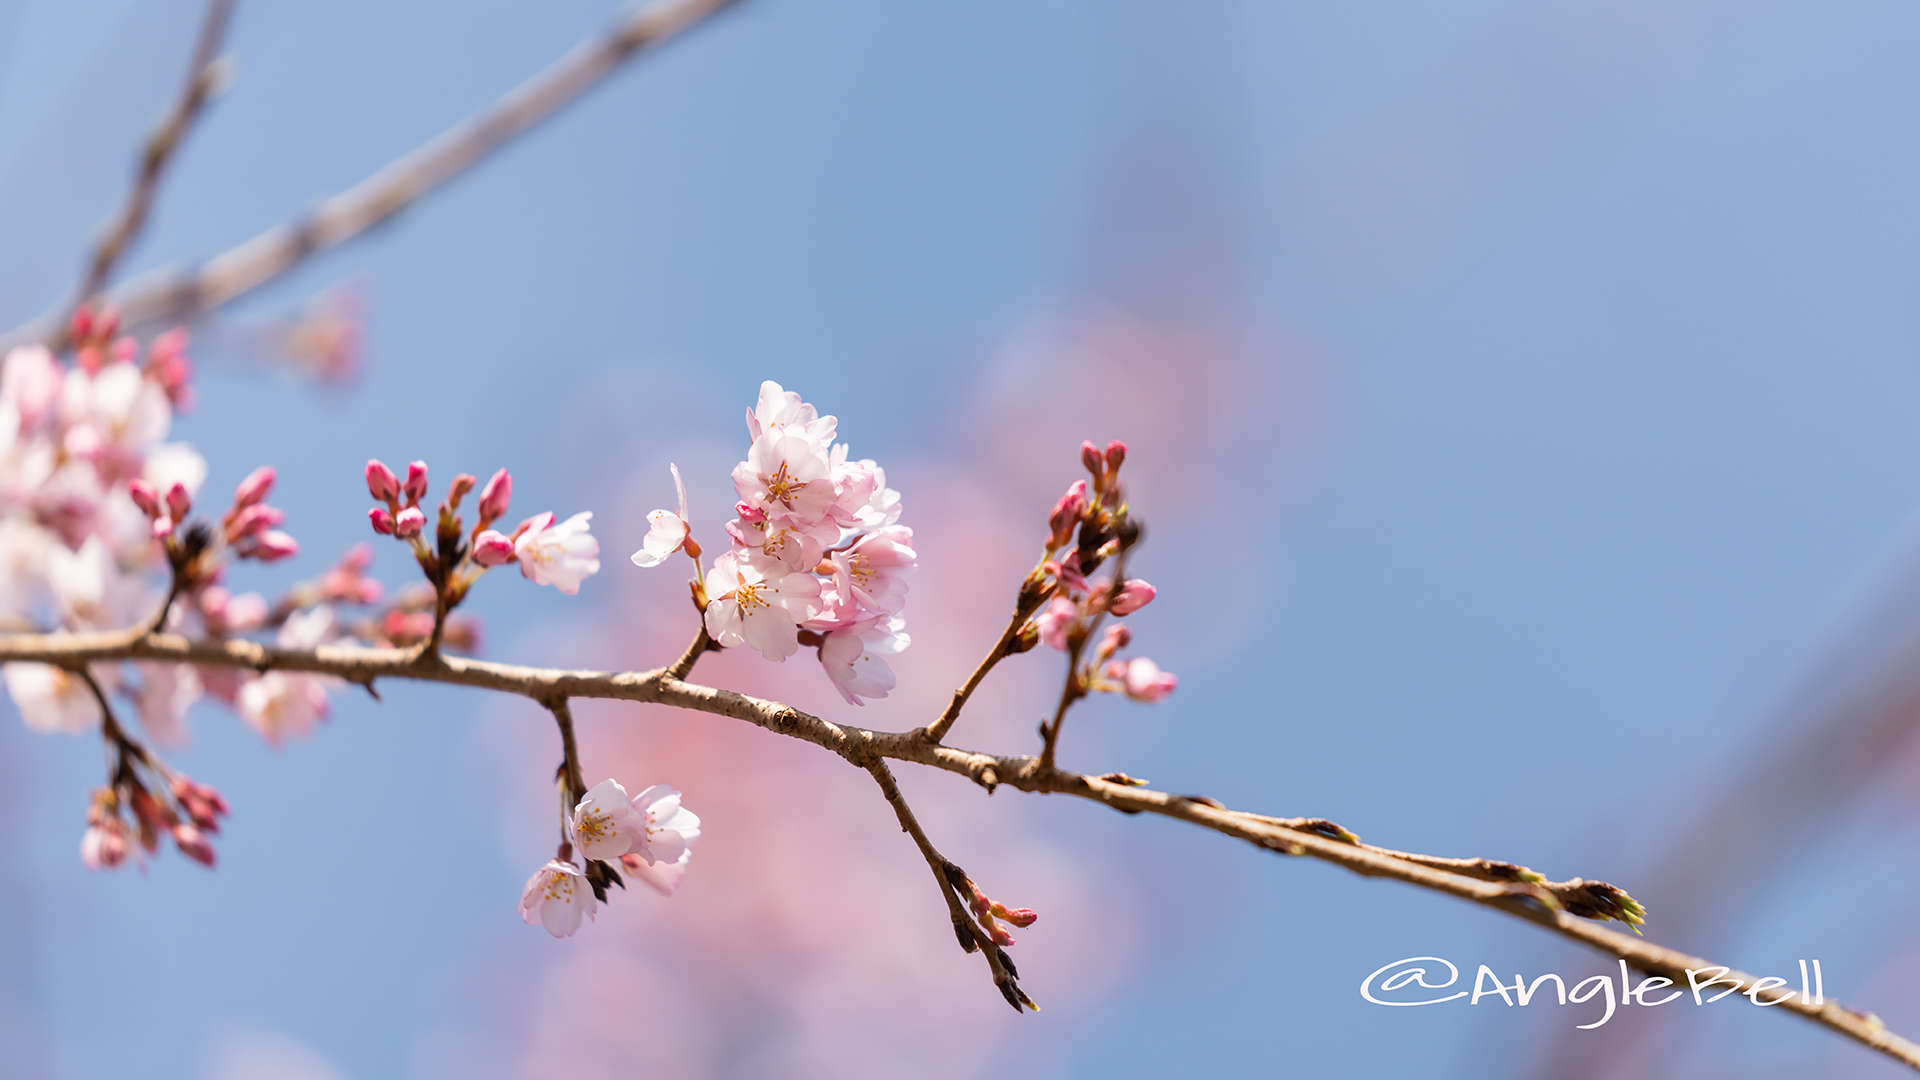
{"type": "Point", "coordinates": [575, 777]}
{"type": "Point", "coordinates": [859, 746]}
{"type": "Point", "coordinates": [175, 294]}
{"type": "Point", "coordinates": [202, 77]}
{"type": "Point", "coordinates": [1024, 606]}
{"type": "Point", "coordinates": [948, 875]}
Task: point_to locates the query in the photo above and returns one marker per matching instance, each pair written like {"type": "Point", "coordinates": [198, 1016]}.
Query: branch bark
{"type": "Point", "coordinates": [1540, 903]}
{"type": "Point", "coordinates": [172, 294]}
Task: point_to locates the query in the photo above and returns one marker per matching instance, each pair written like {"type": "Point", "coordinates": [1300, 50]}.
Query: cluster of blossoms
{"type": "Point", "coordinates": [1088, 526]}
{"type": "Point", "coordinates": [96, 534]}
{"type": "Point", "coordinates": [816, 557]}
{"type": "Point", "coordinates": [650, 835]}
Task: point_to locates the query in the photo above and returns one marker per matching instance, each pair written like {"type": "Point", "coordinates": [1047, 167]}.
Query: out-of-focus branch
{"type": "Point", "coordinates": [1541, 903]}
{"type": "Point", "coordinates": [176, 294]}
{"type": "Point", "coordinates": [203, 77]}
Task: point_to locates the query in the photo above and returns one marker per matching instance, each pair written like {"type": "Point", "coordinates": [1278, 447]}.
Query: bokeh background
{"type": "Point", "coordinates": [1526, 409]}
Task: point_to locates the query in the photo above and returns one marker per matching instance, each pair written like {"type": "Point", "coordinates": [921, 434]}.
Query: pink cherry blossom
{"type": "Point", "coordinates": [104, 846]}
{"type": "Point", "coordinates": [786, 476]}
{"type": "Point", "coordinates": [661, 877]}
{"type": "Point", "coordinates": [560, 555]}
{"type": "Point", "coordinates": [668, 829]}
{"type": "Point", "coordinates": [557, 896]}
{"type": "Point", "coordinates": [874, 568]}
{"type": "Point", "coordinates": [779, 411]}
{"type": "Point", "coordinates": [30, 381]}
{"type": "Point", "coordinates": [854, 670]}
{"type": "Point", "coordinates": [605, 825]}
{"type": "Point", "coordinates": [1133, 596]}
{"type": "Point", "coordinates": [51, 699]}
{"type": "Point", "coordinates": [283, 704]}
{"type": "Point", "coordinates": [757, 601]}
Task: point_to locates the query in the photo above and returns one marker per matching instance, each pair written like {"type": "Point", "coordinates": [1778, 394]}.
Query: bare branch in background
{"type": "Point", "coordinates": [203, 78]}
{"type": "Point", "coordinates": [179, 294]}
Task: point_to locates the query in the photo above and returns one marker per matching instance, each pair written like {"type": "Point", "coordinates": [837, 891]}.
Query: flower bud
{"type": "Point", "coordinates": [81, 326]}
{"type": "Point", "coordinates": [1116, 453]}
{"type": "Point", "coordinates": [491, 548]}
{"type": "Point", "coordinates": [144, 497]}
{"type": "Point", "coordinates": [193, 844]}
{"type": "Point", "coordinates": [1090, 457]}
{"type": "Point", "coordinates": [381, 520]}
{"type": "Point", "coordinates": [409, 523]}
{"type": "Point", "coordinates": [272, 546]}
{"type": "Point", "coordinates": [253, 520]}
{"type": "Point", "coordinates": [461, 485]}
{"type": "Point", "coordinates": [1066, 515]}
{"type": "Point", "coordinates": [1020, 917]}
{"type": "Point", "coordinates": [495, 496]}
{"type": "Point", "coordinates": [1133, 596]}
{"type": "Point", "coordinates": [254, 488]}
{"type": "Point", "coordinates": [416, 481]}
{"type": "Point", "coordinates": [381, 482]}
{"type": "Point", "coordinates": [179, 502]}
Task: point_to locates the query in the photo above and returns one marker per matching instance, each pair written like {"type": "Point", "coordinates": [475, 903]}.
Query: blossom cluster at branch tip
{"type": "Point", "coordinates": [990, 913]}
{"type": "Point", "coordinates": [816, 556]}
{"type": "Point", "coordinates": [650, 835]}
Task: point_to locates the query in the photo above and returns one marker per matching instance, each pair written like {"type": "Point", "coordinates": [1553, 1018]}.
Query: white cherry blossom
{"type": "Point", "coordinates": [605, 825]}
{"type": "Point", "coordinates": [51, 699]}
{"type": "Point", "coordinates": [557, 896]}
{"type": "Point", "coordinates": [560, 555]}
{"type": "Point", "coordinates": [757, 601]}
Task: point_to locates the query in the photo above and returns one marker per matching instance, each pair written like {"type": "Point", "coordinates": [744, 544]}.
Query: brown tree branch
{"type": "Point", "coordinates": [1466, 880]}
{"type": "Point", "coordinates": [202, 80]}
{"type": "Point", "coordinates": [173, 294]}
{"type": "Point", "coordinates": [950, 878]}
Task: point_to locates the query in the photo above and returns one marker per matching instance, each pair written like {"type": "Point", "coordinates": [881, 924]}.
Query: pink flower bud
{"type": "Point", "coordinates": [1133, 596]}
{"type": "Point", "coordinates": [1090, 457]}
{"type": "Point", "coordinates": [416, 480]}
{"type": "Point", "coordinates": [749, 514]}
{"type": "Point", "coordinates": [381, 482]}
{"type": "Point", "coordinates": [82, 325]}
{"type": "Point", "coordinates": [274, 546]}
{"type": "Point", "coordinates": [179, 502]}
{"type": "Point", "coordinates": [1118, 637]}
{"type": "Point", "coordinates": [491, 548]}
{"type": "Point", "coordinates": [1020, 917]}
{"type": "Point", "coordinates": [409, 523]}
{"type": "Point", "coordinates": [253, 520]}
{"type": "Point", "coordinates": [381, 520]}
{"type": "Point", "coordinates": [1116, 453]}
{"type": "Point", "coordinates": [999, 935]}
{"type": "Point", "coordinates": [144, 497]}
{"type": "Point", "coordinates": [1143, 679]}
{"type": "Point", "coordinates": [1067, 514]}
{"type": "Point", "coordinates": [254, 488]}
{"type": "Point", "coordinates": [193, 844]}
{"type": "Point", "coordinates": [461, 485]}
{"type": "Point", "coordinates": [495, 496]}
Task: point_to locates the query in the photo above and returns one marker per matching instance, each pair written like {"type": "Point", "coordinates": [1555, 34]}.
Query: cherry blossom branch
{"type": "Point", "coordinates": [203, 78]}
{"type": "Point", "coordinates": [1478, 881]}
{"type": "Point", "coordinates": [177, 294]}
{"type": "Point", "coordinates": [573, 779]}
{"type": "Point", "coordinates": [952, 881]}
